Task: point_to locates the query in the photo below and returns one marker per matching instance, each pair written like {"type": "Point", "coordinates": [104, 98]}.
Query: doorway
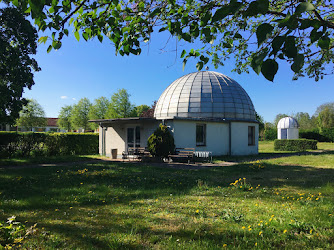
{"type": "Point", "coordinates": [133, 137]}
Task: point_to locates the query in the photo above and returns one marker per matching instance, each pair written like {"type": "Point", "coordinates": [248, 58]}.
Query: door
{"type": "Point", "coordinates": [133, 137]}
{"type": "Point", "coordinates": [284, 134]}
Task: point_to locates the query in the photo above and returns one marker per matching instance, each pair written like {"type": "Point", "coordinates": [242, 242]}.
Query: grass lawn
{"type": "Point", "coordinates": [275, 200]}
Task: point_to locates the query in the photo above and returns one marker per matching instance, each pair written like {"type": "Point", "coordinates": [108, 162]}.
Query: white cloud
{"type": "Point", "coordinates": [73, 99]}
{"type": "Point", "coordinates": [63, 97]}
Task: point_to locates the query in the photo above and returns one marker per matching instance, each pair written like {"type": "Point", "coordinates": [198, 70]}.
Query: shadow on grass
{"type": "Point", "coordinates": [39, 192]}
{"type": "Point", "coordinates": [266, 156]}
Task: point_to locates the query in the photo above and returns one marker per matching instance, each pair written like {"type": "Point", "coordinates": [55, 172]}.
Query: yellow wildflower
{"type": "Point", "coordinates": [225, 245]}
{"type": "Point", "coordinates": [285, 231]}
{"type": "Point", "coordinates": [260, 233]}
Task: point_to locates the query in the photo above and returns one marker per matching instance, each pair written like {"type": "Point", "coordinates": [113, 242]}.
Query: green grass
{"type": "Point", "coordinates": [46, 159]}
{"type": "Point", "coordinates": [287, 204]}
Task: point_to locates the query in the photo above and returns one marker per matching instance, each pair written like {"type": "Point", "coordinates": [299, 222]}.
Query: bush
{"type": "Point", "coordinates": [325, 135]}
{"type": "Point", "coordinates": [270, 134]}
{"type": "Point", "coordinates": [161, 142]}
{"type": "Point", "coordinates": [47, 144]}
{"type": "Point", "coordinates": [295, 145]}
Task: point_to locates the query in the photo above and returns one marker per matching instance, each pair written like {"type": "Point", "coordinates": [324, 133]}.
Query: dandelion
{"type": "Point", "coordinates": [249, 229]}
{"type": "Point", "coordinates": [311, 231]}
{"type": "Point", "coordinates": [225, 245]}
{"type": "Point", "coordinates": [285, 231]}
{"type": "Point", "coordinates": [197, 211]}
{"type": "Point", "coordinates": [243, 227]}
{"type": "Point", "coordinates": [260, 233]}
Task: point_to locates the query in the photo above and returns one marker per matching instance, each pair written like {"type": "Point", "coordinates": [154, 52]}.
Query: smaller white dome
{"type": "Point", "coordinates": [287, 122]}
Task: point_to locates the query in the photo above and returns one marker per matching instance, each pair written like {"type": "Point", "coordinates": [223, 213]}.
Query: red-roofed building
{"type": "Point", "coordinates": [51, 126]}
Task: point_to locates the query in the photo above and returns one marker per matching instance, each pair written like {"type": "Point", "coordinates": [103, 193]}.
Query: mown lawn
{"type": "Point", "coordinates": [281, 202]}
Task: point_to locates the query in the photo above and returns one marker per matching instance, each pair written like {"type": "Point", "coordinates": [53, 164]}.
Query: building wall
{"type": "Point", "coordinates": [292, 133]}
{"type": "Point", "coordinates": [116, 136]}
{"type": "Point", "coordinates": [217, 136]}
{"type": "Point", "coordinates": [239, 141]}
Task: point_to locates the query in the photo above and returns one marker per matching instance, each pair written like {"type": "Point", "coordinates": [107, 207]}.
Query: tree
{"type": "Point", "coordinates": [326, 118]}
{"type": "Point", "coordinates": [150, 112]}
{"type": "Point", "coordinates": [259, 33]}
{"type": "Point", "coordinates": [329, 105]}
{"type": "Point", "coordinates": [140, 110]}
{"type": "Point", "coordinates": [120, 105]}
{"type": "Point", "coordinates": [98, 110]}
{"type": "Point", "coordinates": [304, 120]}
{"type": "Point", "coordinates": [79, 117]}
{"type": "Point", "coordinates": [161, 142]}
{"type": "Point", "coordinates": [32, 115]}
{"type": "Point", "coordinates": [18, 41]}
{"type": "Point", "coordinates": [64, 118]}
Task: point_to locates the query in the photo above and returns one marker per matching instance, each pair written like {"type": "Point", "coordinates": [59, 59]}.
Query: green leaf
{"type": "Point", "coordinates": [15, 3]}
{"type": "Point", "coordinates": [77, 35]}
{"type": "Point", "coordinates": [277, 43]}
{"type": "Point", "coordinates": [315, 35]}
{"type": "Point", "coordinates": [305, 6]}
{"type": "Point", "coordinates": [263, 32]}
{"type": "Point", "coordinates": [324, 42]}
{"type": "Point", "coordinates": [220, 14]}
{"type": "Point", "coordinates": [100, 37]}
{"type": "Point", "coordinates": [269, 69]}
{"type": "Point", "coordinates": [66, 32]}
{"type": "Point", "coordinates": [186, 37]}
{"type": "Point", "coordinates": [183, 53]}
{"type": "Point", "coordinates": [56, 45]}
{"type": "Point", "coordinates": [49, 49]}
{"type": "Point", "coordinates": [204, 59]}
{"type": "Point", "coordinates": [199, 66]}
{"type": "Point", "coordinates": [43, 39]}
{"type": "Point", "coordinates": [257, 7]}
{"type": "Point", "coordinates": [290, 49]}
{"type": "Point", "coordinates": [184, 64]}
{"type": "Point", "coordinates": [298, 63]}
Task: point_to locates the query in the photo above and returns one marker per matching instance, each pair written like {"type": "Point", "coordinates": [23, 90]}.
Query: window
{"type": "Point", "coordinates": [200, 135]}
{"type": "Point", "coordinates": [251, 136]}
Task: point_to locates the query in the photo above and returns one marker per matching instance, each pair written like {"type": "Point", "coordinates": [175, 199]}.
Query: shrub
{"type": "Point", "coordinates": [47, 144]}
{"type": "Point", "coordinates": [270, 134]}
{"type": "Point", "coordinates": [325, 135]}
{"type": "Point", "coordinates": [295, 145]}
{"type": "Point", "coordinates": [161, 142]}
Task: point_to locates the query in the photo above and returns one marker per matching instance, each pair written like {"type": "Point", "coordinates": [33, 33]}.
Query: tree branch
{"type": "Point", "coordinates": [72, 13]}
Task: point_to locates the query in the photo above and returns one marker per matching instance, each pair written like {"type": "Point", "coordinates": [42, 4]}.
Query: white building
{"type": "Point", "coordinates": [287, 128]}
{"type": "Point", "coordinates": [206, 110]}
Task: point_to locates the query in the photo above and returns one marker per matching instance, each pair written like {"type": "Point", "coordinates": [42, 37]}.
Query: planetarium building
{"type": "Point", "coordinates": [205, 110]}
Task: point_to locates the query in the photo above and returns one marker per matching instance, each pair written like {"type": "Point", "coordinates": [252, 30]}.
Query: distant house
{"type": "Point", "coordinates": [51, 126]}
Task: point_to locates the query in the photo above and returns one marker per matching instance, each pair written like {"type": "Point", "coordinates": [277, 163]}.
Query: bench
{"type": "Point", "coordinates": [203, 155]}
{"type": "Point", "coordinates": [135, 153]}
{"type": "Point", "coordinates": [182, 154]}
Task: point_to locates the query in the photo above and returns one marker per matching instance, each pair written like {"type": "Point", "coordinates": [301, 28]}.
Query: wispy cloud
{"type": "Point", "coordinates": [73, 99]}
{"type": "Point", "coordinates": [63, 97]}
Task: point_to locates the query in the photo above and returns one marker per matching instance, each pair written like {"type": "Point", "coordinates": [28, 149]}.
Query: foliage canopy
{"type": "Point", "coordinates": [259, 33]}
{"type": "Point", "coordinates": [32, 115]}
{"type": "Point", "coordinates": [18, 41]}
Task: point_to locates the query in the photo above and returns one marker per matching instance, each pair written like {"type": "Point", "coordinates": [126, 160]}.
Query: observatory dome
{"type": "Point", "coordinates": [287, 122]}
{"type": "Point", "coordinates": [205, 95]}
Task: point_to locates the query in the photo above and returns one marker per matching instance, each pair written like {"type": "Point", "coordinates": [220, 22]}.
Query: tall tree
{"type": "Point", "coordinates": [79, 117]}
{"type": "Point", "coordinates": [98, 110]}
{"type": "Point", "coordinates": [120, 105]}
{"type": "Point", "coordinates": [326, 118]}
{"type": "Point", "coordinates": [329, 105]}
{"type": "Point", "coordinates": [304, 120]}
{"type": "Point", "coordinates": [140, 110]}
{"type": "Point", "coordinates": [259, 33]}
{"type": "Point", "coordinates": [32, 115]}
{"type": "Point", "coordinates": [18, 41]}
{"type": "Point", "coordinates": [64, 118]}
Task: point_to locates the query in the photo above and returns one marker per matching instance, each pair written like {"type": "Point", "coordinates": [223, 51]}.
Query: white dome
{"type": "Point", "coordinates": [287, 122]}
{"type": "Point", "coordinates": [205, 94]}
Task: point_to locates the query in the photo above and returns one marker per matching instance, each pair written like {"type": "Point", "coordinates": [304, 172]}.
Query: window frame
{"type": "Point", "coordinates": [251, 135]}
{"type": "Point", "coordinates": [201, 143]}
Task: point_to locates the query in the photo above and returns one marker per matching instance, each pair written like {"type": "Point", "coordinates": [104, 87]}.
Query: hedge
{"type": "Point", "coordinates": [13, 144]}
{"type": "Point", "coordinates": [325, 135]}
{"type": "Point", "coordinates": [295, 145]}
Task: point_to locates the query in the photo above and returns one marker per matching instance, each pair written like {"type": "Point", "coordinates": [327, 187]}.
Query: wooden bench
{"type": "Point", "coordinates": [182, 154]}
{"type": "Point", "coordinates": [135, 153]}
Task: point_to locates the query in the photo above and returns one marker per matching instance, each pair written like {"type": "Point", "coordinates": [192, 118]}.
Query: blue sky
{"type": "Point", "coordinates": [91, 69]}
